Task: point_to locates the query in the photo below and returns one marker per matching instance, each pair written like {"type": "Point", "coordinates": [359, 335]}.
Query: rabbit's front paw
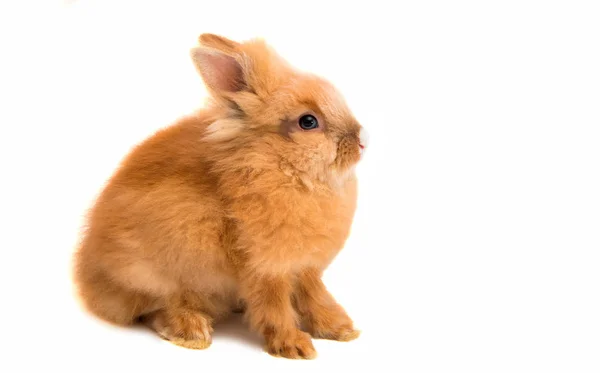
{"type": "Point", "coordinates": [292, 345]}
{"type": "Point", "coordinates": [342, 334]}
{"type": "Point", "coordinates": [337, 327]}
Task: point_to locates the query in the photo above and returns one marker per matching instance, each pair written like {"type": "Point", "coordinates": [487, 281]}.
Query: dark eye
{"type": "Point", "coordinates": [308, 122]}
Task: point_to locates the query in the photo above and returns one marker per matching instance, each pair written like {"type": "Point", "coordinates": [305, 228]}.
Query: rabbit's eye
{"type": "Point", "coordinates": [308, 122]}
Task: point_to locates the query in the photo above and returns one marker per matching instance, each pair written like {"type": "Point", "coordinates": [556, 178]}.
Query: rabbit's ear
{"type": "Point", "coordinates": [221, 72]}
{"type": "Point", "coordinates": [220, 43]}
{"type": "Point", "coordinates": [228, 67]}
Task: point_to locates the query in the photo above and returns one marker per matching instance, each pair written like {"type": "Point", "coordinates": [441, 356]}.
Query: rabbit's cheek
{"type": "Point", "coordinates": [348, 152]}
{"type": "Point", "coordinates": [329, 152]}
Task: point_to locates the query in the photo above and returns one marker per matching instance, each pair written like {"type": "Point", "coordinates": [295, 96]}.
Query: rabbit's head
{"type": "Point", "coordinates": [272, 108]}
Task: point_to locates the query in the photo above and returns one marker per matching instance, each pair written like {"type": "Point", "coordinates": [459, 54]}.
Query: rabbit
{"type": "Point", "coordinates": [236, 207]}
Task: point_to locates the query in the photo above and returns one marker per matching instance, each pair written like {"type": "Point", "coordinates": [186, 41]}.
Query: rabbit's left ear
{"type": "Point", "coordinates": [220, 43]}
{"type": "Point", "coordinates": [221, 72]}
{"type": "Point", "coordinates": [218, 60]}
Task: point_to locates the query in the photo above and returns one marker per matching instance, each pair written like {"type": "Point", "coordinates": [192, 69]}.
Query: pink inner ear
{"type": "Point", "coordinates": [221, 72]}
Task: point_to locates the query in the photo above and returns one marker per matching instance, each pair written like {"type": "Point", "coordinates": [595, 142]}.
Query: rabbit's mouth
{"type": "Point", "coordinates": [363, 139]}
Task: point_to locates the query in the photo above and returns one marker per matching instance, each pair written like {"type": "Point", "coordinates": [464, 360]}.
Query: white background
{"type": "Point", "coordinates": [476, 243]}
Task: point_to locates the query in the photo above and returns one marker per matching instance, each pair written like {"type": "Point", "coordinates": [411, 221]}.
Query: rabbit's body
{"type": "Point", "coordinates": [204, 218]}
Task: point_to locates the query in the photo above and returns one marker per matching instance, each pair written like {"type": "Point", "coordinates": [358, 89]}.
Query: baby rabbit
{"type": "Point", "coordinates": [241, 205]}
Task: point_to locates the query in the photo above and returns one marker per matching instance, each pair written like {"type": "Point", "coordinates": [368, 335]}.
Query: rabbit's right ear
{"type": "Point", "coordinates": [218, 60]}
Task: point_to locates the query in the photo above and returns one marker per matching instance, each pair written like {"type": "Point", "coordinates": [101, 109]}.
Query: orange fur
{"type": "Point", "coordinates": [234, 205]}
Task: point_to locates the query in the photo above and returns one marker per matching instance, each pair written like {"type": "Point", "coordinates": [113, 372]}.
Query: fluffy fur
{"type": "Point", "coordinates": [234, 207]}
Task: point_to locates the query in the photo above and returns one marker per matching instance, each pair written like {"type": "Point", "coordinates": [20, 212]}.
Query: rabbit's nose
{"type": "Point", "coordinates": [363, 137]}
